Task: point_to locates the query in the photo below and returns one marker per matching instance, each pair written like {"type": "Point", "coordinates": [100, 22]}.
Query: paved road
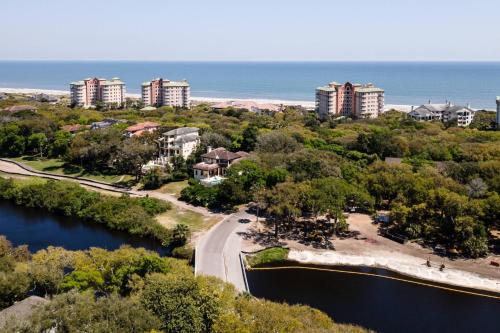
{"type": "Point", "coordinates": [218, 252]}
{"type": "Point", "coordinates": [12, 167]}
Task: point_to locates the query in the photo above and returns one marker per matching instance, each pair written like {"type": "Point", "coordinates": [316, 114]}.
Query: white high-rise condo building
{"type": "Point", "coordinates": [361, 101]}
{"type": "Point", "coordinates": [88, 92]}
{"type": "Point", "coordinates": [160, 92]}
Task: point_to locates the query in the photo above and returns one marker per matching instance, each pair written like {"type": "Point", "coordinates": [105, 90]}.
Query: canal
{"type": "Point", "coordinates": [378, 303]}
{"type": "Point", "coordinates": [38, 229]}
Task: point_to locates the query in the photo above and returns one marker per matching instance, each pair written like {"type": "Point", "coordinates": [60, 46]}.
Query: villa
{"type": "Point", "coordinates": [214, 165]}
{"type": "Point", "coordinates": [141, 128]}
{"type": "Point", "coordinates": [105, 123]}
{"type": "Point", "coordinates": [443, 112]}
{"type": "Point", "coordinates": [87, 93]}
{"type": "Point", "coordinates": [177, 142]}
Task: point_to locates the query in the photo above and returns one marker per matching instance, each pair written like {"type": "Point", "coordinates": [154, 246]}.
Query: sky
{"type": "Point", "coordinates": [251, 30]}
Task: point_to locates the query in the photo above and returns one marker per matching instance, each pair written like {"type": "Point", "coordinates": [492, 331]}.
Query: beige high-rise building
{"type": "Point", "coordinates": [88, 92]}
{"type": "Point", "coordinates": [361, 101]}
{"type": "Point", "coordinates": [160, 92]}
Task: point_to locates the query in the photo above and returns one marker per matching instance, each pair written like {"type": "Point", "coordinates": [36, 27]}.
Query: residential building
{"type": "Point", "coordinates": [361, 101]}
{"type": "Point", "coordinates": [140, 128]}
{"type": "Point", "coordinates": [105, 123]}
{"type": "Point", "coordinates": [74, 128]}
{"type": "Point", "coordinates": [177, 142]}
{"type": "Point", "coordinates": [498, 113]}
{"type": "Point", "coordinates": [160, 92]}
{"type": "Point", "coordinates": [443, 112]}
{"type": "Point", "coordinates": [89, 92]}
{"type": "Point", "coordinates": [215, 162]}
{"type": "Point", "coordinates": [45, 98]}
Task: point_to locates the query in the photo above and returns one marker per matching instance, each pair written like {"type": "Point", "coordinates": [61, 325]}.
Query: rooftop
{"type": "Point", "coordinates": [182, 131]}
{"type": "Point", "coordinates": [221, 154]}
{"type": "Point", "coordinates": [142, 126]}
{"type": "Point", "coordinates": [205, 166]}
{"type": "Point", "coordinates": [168, 83]}
{"type": "Point", "coordinates": [113, 81]}
{"type": "Point", "coordinates": [21, 310]}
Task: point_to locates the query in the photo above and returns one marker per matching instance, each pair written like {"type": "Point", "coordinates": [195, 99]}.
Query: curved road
{"type": "Point", "coordinates": [217, 252]}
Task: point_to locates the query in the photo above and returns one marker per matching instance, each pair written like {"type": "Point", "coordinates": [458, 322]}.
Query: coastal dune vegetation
{"type": "Point", "coordinates": [135, 290]}
{"type": "Point", "coordinates": [439, 182]}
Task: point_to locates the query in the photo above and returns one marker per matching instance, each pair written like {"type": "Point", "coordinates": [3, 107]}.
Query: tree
{"type": "Point", "coordinates": [74, 312]}
{"type": "Point", "coordinates": [154, 178]}
{"type": "Point", "coordinates": [60, 144]}
{"type": "Point", "coordinates": [132, 154]}
{"type": "Point", "coordinates": [180, 235]}
{"type": "Point", "coordinates": [12, 143]}
{"type": "Point", "coordinates": [249, 138]}
{"type": "Point", "coordinates": [276, 142]}
{"type": "Point", "coordinates": [180, 303]}
{"type": "Point", "coordinates": [37, 142]}
{"type": "Point", "coordinates": [476, 188]}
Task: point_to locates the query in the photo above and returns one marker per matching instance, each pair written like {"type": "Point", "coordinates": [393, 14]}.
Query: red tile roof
{"type": "Point", "coordinates": [142, 126]}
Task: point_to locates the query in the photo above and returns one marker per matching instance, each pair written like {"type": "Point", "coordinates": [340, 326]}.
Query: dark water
{"type": "Point", "coordinates": [404, 82]}
{"type": "Point", "coordinates": [38, 229]}
{"type": "Point", "coordinates": [377, 303]}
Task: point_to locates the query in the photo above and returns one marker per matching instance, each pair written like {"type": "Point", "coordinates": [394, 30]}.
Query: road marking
{"type": "Point", "coordinates": [378, 275]}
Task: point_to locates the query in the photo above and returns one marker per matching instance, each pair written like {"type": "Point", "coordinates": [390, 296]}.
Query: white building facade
{"type": "Point", "coordinates": [89, 92]}
{"type": "Point", "coordinates": [178, 142]}
{"type": "Point", "coordinates": [160, 92]}
{"type": "Point", "coordinates": [444, 113]}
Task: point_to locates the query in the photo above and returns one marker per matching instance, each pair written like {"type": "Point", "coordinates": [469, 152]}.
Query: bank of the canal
{"type": "Point", "coordinates": [378, 299]}
{"type": "Point", "coordinates": [38, 229]}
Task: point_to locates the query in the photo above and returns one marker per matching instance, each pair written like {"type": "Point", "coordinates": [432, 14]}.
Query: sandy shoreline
{"type": "Point", "coordinates": [370, 249]}
{"type": "Point", "coordinates": [400, 263]}
{"type": "Point", "coordinates": [305, 104]}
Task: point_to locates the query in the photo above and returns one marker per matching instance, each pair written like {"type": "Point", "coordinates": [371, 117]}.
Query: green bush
{"type": "Point", "coordinates": [268, 256]}
{"type": "Point", "coordinates": [134, 215]}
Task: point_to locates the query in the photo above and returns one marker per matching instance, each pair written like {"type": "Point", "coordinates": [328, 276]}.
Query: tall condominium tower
{"type": "Point", "coordinates": [88, 92]}
{"type": "Point", "coordinates": [160, 92]}
{"type": "Point", "coordinates": [362, 101]}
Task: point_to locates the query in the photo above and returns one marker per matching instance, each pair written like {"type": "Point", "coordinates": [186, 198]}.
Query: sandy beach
{"type": "Point", "coordinates": [372, 250]}
{"type": "Point", "coordinates": [199, 100]}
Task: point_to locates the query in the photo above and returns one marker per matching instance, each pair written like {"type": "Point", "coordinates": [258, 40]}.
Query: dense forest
{"type": "Point", "coordinates": [441, 183]}
{"type": "Point", "coordinates": [134, 290]}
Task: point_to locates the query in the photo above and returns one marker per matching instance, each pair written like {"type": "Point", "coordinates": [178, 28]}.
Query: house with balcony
{"type": "Point", "coordinates": [177, 142]}
{"type": "Point", "coordinates": [443, 112]}
{"type": "Point", "coordinates": [215, 162]}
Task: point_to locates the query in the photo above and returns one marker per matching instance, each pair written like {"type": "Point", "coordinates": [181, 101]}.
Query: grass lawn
{"type": "Point", "coordinates": [195, 221]}
{"type": "Point", "coordinates": [268, 256]}
{"type": "Point", "coordinates": [174, 188]}
{"type": "Point", "coordinates": [57, 166]}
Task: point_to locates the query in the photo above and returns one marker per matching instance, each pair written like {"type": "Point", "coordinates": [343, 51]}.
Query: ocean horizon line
{"type": "Point", "coordinates": [262, 61]}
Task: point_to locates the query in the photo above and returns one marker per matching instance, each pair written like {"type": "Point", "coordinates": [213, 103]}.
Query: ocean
{"type": "Point", "coordinates": [404, 82]}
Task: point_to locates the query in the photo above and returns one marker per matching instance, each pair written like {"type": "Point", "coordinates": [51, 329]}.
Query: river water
{"type": "Point", "coordinates": [38, 229]}
{"type": "Point", "coordinates": [378, 303]}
